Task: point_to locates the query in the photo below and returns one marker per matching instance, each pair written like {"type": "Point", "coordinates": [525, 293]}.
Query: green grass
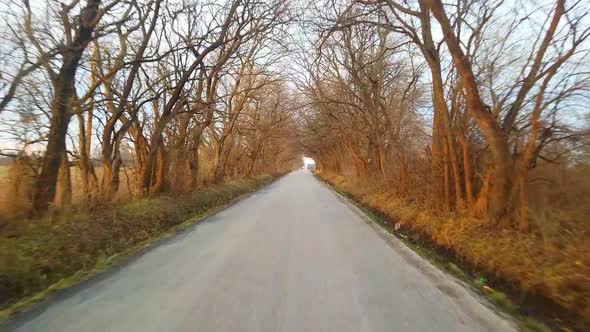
{"type": "Point", "coordinates": [501, 300]}
{"type": "Point", "coordinates": [38, 257]}
{"type": "Point", "coordinates": [533, 325]}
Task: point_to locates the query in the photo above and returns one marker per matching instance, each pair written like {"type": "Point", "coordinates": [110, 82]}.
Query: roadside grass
{"type": "Point", "coordinates": [522, 274]}
{"type": "Point", "coordinates": [534, 325]}
{"type": "Point", "coordinates": [40, 256]}
{"type": "Point", "coordinates": [3, 170]}
{"type": "Point", "coordinates": [16, 205]}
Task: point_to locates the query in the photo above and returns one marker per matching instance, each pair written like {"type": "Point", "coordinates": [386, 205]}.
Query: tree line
{"type": "Point", "coordinates": [177, 93]}
{"type": "Point", "coordinates": [450, 104]}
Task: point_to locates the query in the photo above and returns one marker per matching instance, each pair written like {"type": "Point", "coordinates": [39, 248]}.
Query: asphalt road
{"type": "Point", "coordinates": [291, 257]}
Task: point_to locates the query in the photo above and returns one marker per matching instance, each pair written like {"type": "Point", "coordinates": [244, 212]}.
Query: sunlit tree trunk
{"type": "Point", "coordinates": [502, 185]}
{"type": "Point", "coordinates": [63, 196]}
{"type": "Point", "coordinates": [87, 174]}
{"type": "Point", "coordinates": [61, 107]}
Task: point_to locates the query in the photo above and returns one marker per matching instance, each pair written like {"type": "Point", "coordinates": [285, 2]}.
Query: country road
{"type": "Point", "coordinates": [291, 257]}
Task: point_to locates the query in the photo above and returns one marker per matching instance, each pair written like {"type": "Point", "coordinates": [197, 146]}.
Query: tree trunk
{"type": "Point", "coordinates": [223, 154]}
{"type": "Point", "coordinates": [146, 177]}
{"type": "Point", "coordinates": [503, 161]}
{"type": "Point", "coordinates": [61, 106]}
{"type": "Point", "coordinates": [111, 178]}
{"type": "Point", "coordinates": [87, 174]}
{"type": "Point", "coordinates": [359, 163]}
{"type": "Point", "coordinates": [446, 183]}
{"type": "Point", "coordinates": [160, 172]}
{"type": "Point", "coordinates": [446, 133]}
{"type": "Point", "coordinates": [63, 196]}
{"type": "Point", "coordinates": [253, 163]}
{"type": "Point", "coordinates": [194, 167]}
{"type": "Point", "coordinates": [45, 186]}
{"type": "Point", "coordinates": [436, 164]}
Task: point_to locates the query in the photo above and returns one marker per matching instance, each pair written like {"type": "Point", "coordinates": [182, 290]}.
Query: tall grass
{"type": "Point", "coordinates": [15, 205]}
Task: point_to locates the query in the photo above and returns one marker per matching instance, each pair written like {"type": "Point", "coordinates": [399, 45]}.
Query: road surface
{"type": "Point", "coordinates": [291, 257]}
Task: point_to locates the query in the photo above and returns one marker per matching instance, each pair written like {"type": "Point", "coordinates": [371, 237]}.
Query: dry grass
{"type": "Point", "coordinates": [3, 171]}
{"type": "Point", "coordinates": [35, 254]}
{"type": "Point", "coordinates": [8, 201]}
{"type": "Point", "coordinates": [553, 264]}
{"type": "Point", "coordinates": [3, 185]}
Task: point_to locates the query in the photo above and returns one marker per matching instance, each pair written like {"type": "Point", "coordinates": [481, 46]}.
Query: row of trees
{"type": "Point", "coordinates": [177, 92]}
{"type": "Point", "coordinates": [451, 104]}
{"type": "Point", "coordinates": [503, 81]}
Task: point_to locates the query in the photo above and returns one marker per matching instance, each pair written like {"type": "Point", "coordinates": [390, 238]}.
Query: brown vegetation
{"type": "Point", "coordinates": [552, 262]}
{"type": "Point", "coordinates": [166, 99]}
{"type": "Point", "coordinates": [460, 121]}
